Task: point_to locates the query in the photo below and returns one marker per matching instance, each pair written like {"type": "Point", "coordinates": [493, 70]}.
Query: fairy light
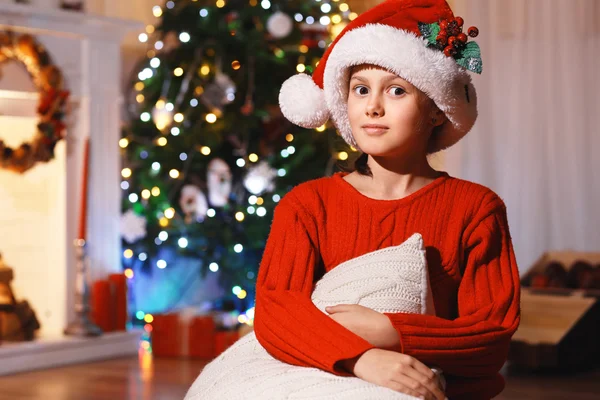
{"type": "Point", "coordinates": [214, 267]}
{"type": "Point", "coordinates": [352, 16]}
{"type": "Point", "coordinates": [344, 7]}
{"type": "Point", "coordinates": [163, 222]}
{"type": "Point", "coordinates": [281, 172]}
{"type": "Point", "coordinates": [145, 194]}
{"type": "Point", "coordinates": [162, 235]}
{"type": "Point", "coordinates": [126, 172]}
{"type": "Point", "coordinates": [182, 242]}
{"type": "Point", "coordinates": [145, 116]}
{"type": "Point", "coordinates": [289, 137]}
{"type": "Point", "coordinates": [261, 211]}
{"type": "Point", "coordinates": [326, 8]}
{"type": "Point", "coordinates": [139, 86]}
{"type": "Point", "coordinates": [342, 155]}
{"type": "Point", "coordinates": [239, 216]}
{"type": "Point", "coordinates": [291, 149]}
{"type": "Point", "coordinates": [148, 318]}
{"type": "Point", "coordinates": [159, 45]}
{"type": "Point", "coordinates": [266, 4]}
{"type": "Point", "coordinates": [124, 185]}
{"type": "Point", "coordinates": [128, 253]}
{"type": "Point", "coordinates": [203, 12]}
{"type": "Point", "coordinates": [253, 157]}
{"type": "Point", "coordinates": [211, 118]}
{"type": "Point", "coordinates": [184, 37]}
{"type": "Point", "coordinates": [236, 65]}
{"type": "Point", "coordinates": [123, 143]}
{"type": "Point", "coordinates": [242, 294]}
{"type": "Point", "coordinates": [140, 98]}
{"type": "Point", "coordinates": [284, 153]}
{"type": "Point", "coordinates": [150, 29]}
{"type": "Point", "coordinates": [128, 273]}
{"type": "Point", "coordinates": [162, 141]}
{"type": "Point", "coordinates": [178, 71]}
{"type": "Point", "coordinates": [143, 37]}
{"type": "Point", "coordinates": [236, 290]}
{"type": "Point", "coordinates": [162, 264]}
{"type": "Point", "coordinates": [300, 67]}
{"type": "Point", "coordinates": [252, 199]}
{"type": "Point", "coordinates": [133, 197]}
{"type": "Point", "coordinates": [211, 213]}
{"type": "Point", "coordinates": [157, 11]}
{"type": "Point", "coordinates": [238, 248]}
{"type": "Point", "coordinates": [336, 19]}
{"type": "Point", "coordinates": [240, 162]}
{"type": "Point", "coordinates": [321, 128]}
{"type": "Point", "coordinates": [174, 173]}
{"type": "Point", "coordinates": [298, 17]}
{"type": "Point", "coordinates": [260, 201]}
{"type": "Point", "coordinates": [170, 213]}
{"type": "Point", "coordinates": [178, 117]}
{"type": "Point", "coordinates": [250, 210]}
{"type": "Point", "coordinates": [220, 3]}
{"type": "Point", "coordinates": [155, 191]}
{"type": "Point", "coordinates": [276, 198]}
{"type": "Point", "coordinates": [303, 48]}
{"type": "Point", "coordinates": [205, 150]}
{"type": "Point", "coordinates": [140, 315]}
{"type": "Point", "coordinates": [175, 131]}
{"type": "Point", "coordinates": [205, 70]}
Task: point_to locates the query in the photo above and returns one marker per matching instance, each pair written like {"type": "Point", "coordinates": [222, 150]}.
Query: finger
{"type": "Point", "coordinates": [402, 388]}
{"type": "Point", "coordinates": [423, 383]}
{"type": "Point", "coordinates": [339, 308]}
{"type": "Point", "coordinates": [429, 377]}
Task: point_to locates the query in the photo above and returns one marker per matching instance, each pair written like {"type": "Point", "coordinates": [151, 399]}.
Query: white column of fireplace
{"type": "Point", "coordinates": [87, 48]}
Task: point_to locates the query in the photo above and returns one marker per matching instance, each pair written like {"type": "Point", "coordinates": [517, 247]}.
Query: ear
{"type": "Point", "coordinates": [438, 116]}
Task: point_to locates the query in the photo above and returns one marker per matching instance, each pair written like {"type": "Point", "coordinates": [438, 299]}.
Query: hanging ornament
{"type": "Point", "coordinates": [280, 25]}
{"type": "Point", "coordinates": [260, 178]}
{"type": "Point", "coordinates": [133, 226]}
{"type": "Point", "coordinates": [218, 182]}
{"type": "Point", "coordinates": [161, 115]}
{"type": "Point", "coordinates": [219, 92]}
{"type": "Point", "coordinates": [193, 203]}
{"type": "Point", "coordinates": [313, 34]}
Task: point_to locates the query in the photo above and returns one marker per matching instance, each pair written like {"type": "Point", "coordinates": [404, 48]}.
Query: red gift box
{"type": "Point", "coordinates": [224, 339]}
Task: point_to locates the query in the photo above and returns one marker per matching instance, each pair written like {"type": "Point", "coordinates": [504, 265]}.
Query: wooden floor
{"type": "Point", "coordinates": [168, 379]}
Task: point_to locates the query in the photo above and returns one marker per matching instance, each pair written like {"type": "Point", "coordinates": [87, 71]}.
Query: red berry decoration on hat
{"type": "Point", "coordinates": [447, 35]}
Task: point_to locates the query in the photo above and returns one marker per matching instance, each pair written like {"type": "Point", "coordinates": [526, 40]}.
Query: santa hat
{"type": "Point", "coordinates": [419, 40]}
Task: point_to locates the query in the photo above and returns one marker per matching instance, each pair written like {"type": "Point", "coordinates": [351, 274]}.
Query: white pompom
{"type": "Point", "coordinates": [302, 102]}
{"type": "Point", "coordinates": [279, 25]}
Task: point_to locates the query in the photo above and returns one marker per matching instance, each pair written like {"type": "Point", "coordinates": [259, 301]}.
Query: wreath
{"type": "Point", "coordinates": [51, 110]}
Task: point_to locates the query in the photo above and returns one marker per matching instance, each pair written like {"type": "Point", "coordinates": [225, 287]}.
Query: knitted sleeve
{"type": "Point", "coordinates": [475, 344]}
{"type": "Point", "coordinates": [286, 322]}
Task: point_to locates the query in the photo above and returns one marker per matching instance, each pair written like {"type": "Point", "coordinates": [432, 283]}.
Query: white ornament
{"type": "Point", "coordinates": [280, 25]}
{"type": "Point", "coordinates": [193, 202]}
{"type": "Point", "coordinates": [260, 178]}
{"type": "Point", "coordinates": [219, 92]}
{"type": "Point", "coordinates": [218, 182]}
{"type": "Point", "coordinates": [133, 226]}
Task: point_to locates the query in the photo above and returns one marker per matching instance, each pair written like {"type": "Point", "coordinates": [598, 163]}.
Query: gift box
{"type": "Point", "coordinates": [560, 314]}
{"type": "Point", "coordinates": [190, 333]}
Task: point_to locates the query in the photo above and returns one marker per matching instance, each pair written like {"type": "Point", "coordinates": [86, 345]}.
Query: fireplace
{"type": "Point", "coordinates": [39, 210]}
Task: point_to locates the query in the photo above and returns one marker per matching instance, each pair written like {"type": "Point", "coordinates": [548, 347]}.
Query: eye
{"type": "Point", "coordinates": [397, 91]}
{"type": "Point", "coordinates": [360, 90]}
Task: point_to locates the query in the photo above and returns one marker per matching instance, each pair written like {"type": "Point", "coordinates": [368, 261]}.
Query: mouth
{"type": "Point", "coordinates": [375, 129]}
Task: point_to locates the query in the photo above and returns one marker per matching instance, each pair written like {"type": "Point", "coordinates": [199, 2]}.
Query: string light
{"type": "Point", "coordinates": [239, 216]}
{"type": "Point", "coordinates": [133, 197]}
{"type": "Point", "coordinates": [220, 3]}
{"type": "Point", "coordinates": [205, 70]}
{"type": "Point", "coordinates": [242, 294]}
{"type": "Point", "coordinates": [159, 45]}
{"type": "Point", "coordinates": [162, 235]}
{"type": "Point", "coordinates": [310, 20]}
{"type": "Point", "coordinates": [162, 264]}
{"type": "Point", "coordinates": [326, 7]}
{"type": "Point", "coordinates": [240, 162]}
{"type": "Point", "coordinates": [155, 62]}
{"type": "Point", "coordinates": [170, 213]}
{"type": "Point", "coordinates": [139, 86]}
{"type": "Point", "coordinates": [183, 156]}
{"type": "Point", "coordinates": [142, 256]}
{"type": "Point", "coordinates": [178, 117]}
{"type": "Point", "coordinates": [143, 37]}
{"type": "Point", "coordinates": [303, 48]}
{"type": "Point", "coordinates": [203, 12]}
{"type": "Point", "coordinates": [252, 199]}
{"type": "Point", "coordinates": [128, 273]}
{"type": "Point", "coordinates": [336, 19]}
{"type": "Point", "coordinates": [253, 157]}
{"type": "Point", "coordinates": [236, 65]}
{"type": "Point", "coordinates": [157, 11]}
{"type": "Point", "coordinates": [161, 141]}
{"type": "Point", "coordinates": [205, 150]}
{"type": "Point", "coordinates": [123, 143]}
{"type": "Point", "coordinates": [342, 155]}
{"type": "Point", "coordinates": [214, 267]}
{"type": "Point", "coordinates": [140, 315]}
{"type": "Point", "coordinates": [170, 4]}
{"type": "Point", "coordinates": [291, 149]}
{"type": "Point", "coordinates": [298, 17]}
{"type": "Point", "coordinates": [155, 190]}
{"type": "Point", "coordinates": [126, 172]}
{"type": "Point", "coordinates": [284, 153]}
{"type": "Point", "coordinates": [238, 248]}
{"type": "Point", "coordinates": [250, 210]}
{"type": "Point", "coordinates": [148, 318]}
{"type": "Point", "coordinates": [236, 290]}
{"type": "Point", "coordinates": [289, 137]}
{"type": "Point", "coordinates": [261, 211]}
{"type": "Point", "coordinates": [163, 222]}
{"type": "Point", "coordinates": [184, 37]}
{"type": "Point", "coordinates": [211, 213]}
{"type": "Point", "coordinates": [194, 102]}
{"type": "Point", "coordinates": [211, 118]}
{"type": "Point", "coordinates": [182, 242]}
{"type": "Point", "coordinates": [300, 68]}
{"type": "Point", "coordinates": [281, 172]}
{"type": "Point", "coordinates": [124, 185]}
{"type": "Point", "coordinates": [178, 71]}
{"type": "Point", "coordinates": [150, 29]}
{"type": "Point", "coordinates": [352, 16]}
{"type": "Point", "coordinates": [259, 201]}
{"type": "Point", "coordinates": [266, 4]}
{"type": "Point", "coordinates": [145, 116]}
{"type": "Point", "coordinates": [174, 173]}
{"type": "Point", "coordinates": [276, 198]}
{"type": "Point", "coordinates": [128, 253]}
{"type": "Point", "coordinates": [321, 128]}
{"type": "Point", "coordinates": [145, 194]}
{"type": "Point", "coordinates": [344, 7]}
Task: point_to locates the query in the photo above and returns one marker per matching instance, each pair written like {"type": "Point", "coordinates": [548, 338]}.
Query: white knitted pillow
{"type": "Point", "coordinates": [393, 279]}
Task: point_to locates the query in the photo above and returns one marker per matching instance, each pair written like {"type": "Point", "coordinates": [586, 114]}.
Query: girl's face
{"type": "Point", "coordinates": [386, 113]}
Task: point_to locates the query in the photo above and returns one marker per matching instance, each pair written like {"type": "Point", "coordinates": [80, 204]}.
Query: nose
{"type": "Point", "coordinates": [375, 106]}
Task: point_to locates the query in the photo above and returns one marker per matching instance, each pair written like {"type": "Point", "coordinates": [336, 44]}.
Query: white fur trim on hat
{"type": "Point", "coordinates": [407, 55]}
{"type": "Point", "coordinates": [303, 102]}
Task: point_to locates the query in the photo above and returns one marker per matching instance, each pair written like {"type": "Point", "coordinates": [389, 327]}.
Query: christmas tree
{"type": "Point", "coordinates": [207, 154]}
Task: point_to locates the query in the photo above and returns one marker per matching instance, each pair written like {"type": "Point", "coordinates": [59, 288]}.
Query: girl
{"type": "Point", "coordinates": [396, 84]}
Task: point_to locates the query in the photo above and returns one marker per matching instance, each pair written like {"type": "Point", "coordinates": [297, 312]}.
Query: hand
{"type": "Point", "coordinates": [397, 371]}
{"type": "Point", "coordinates": [370, 325]}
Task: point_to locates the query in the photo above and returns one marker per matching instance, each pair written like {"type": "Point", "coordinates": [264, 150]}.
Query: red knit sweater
{"type": "Point", "coordinates": [475, 282]}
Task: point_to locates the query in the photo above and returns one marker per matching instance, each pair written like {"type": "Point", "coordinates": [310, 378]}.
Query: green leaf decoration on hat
{"type": "Point", "coordinates": [430, 32]}
{"type": "Point", "coordinates": [470, 57]}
